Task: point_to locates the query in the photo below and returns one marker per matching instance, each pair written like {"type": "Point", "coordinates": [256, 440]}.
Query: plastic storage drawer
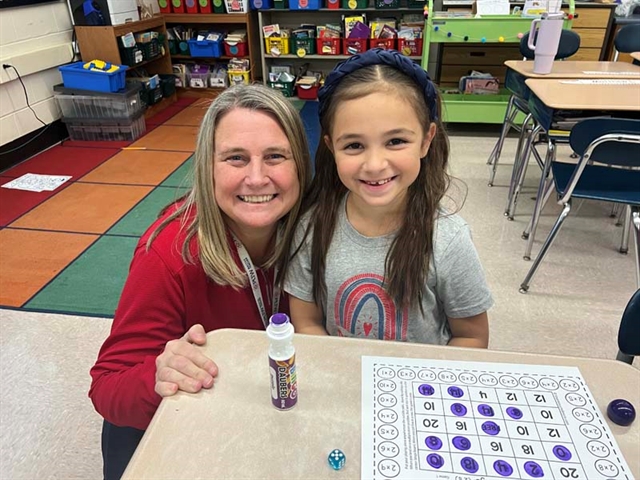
{"type": "Point", "coordinates": [114, 130]}
{"type": "Point", "coordinates": [76, 103]}
{"type": "Point", "coordinates": [76, 76]}
{"type": "Point", "coordinates": [205, 48]}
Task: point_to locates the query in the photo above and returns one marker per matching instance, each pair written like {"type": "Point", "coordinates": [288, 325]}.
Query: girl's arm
{"type": "Point", "coordinates": [306, 317]}
{"type": "Point", "coordinates": [470, 331]}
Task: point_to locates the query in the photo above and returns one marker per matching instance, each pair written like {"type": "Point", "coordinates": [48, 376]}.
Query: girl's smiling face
{"type": "Point", "coordinates": [378, 142]}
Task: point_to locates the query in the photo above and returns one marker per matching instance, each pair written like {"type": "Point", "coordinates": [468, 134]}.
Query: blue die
{"type": "Point", "coordinates": [337, 459]}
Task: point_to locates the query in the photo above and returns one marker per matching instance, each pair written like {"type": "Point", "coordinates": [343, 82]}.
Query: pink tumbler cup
{"type": "Point", "coordinates": [547, 41]}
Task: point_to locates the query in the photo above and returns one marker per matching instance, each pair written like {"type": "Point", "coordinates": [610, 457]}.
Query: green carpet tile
{"type": "Point", "coordinates": [146, 212]}
{"type": "Point", "coordinates": [93, 282]}
{"type": "Point", "coordinates": [182, 176]}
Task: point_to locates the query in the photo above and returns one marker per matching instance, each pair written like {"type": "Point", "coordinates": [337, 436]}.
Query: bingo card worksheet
{"type": "Point", "coordinates": [452, 420]}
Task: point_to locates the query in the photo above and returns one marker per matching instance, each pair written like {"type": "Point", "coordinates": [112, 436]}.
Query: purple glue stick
{"type": "Point", "coordinates": [282, 362]}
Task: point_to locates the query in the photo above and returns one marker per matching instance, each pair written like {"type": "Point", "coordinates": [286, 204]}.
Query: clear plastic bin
{"type": "Point", "coordinates": [76, 103]}
{"type": "Point", "coordinates": [115, 130]}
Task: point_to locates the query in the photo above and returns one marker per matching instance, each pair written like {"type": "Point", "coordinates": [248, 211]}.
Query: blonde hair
{"type": "Point", "coordinates": [208, 222]}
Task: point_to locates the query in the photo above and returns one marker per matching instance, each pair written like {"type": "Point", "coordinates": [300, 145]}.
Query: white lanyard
{"type": "Point", "coordinates": [245, 259]}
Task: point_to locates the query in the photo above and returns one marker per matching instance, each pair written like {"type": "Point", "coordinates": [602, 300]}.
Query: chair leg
{"type": "Point", "coordinates": [623, 357]}
{"type": "Point", "coordinates": [537, 209]}
{"type": "Point", "coordinates": [519, 172]}
{"type": "Point", "coordinates": [635, 218]}
{"type": "Point", "coordinates": [524, 286]}
{"type": "Point", "coordinates": [509, 115]}
{"type": "Point", "coordinates": [547, 195]}
{"type": "Point", "coordinates": [624, 243]}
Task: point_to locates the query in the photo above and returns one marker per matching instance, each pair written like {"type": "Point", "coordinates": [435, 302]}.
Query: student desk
{"type": "Point", "coordinates": [233, 431]}
{"type": "Point", "coordinates": [571, 69]}
{"type": "Point", "coordinates": [635, 56]}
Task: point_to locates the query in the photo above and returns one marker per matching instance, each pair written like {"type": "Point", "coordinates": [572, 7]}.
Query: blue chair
{"type": "Point", "coordinates": [629, 331]}
{"type": "Point", "coordinates": [627, 40]}
{"type": "Point", "coordinates": [610, 142]}
{"type": "Point", "coordinates": [568, 46]}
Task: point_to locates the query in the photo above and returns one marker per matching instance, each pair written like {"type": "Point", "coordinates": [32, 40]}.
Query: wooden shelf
{"type": "Point", "coordinates": [354, 10]}
{"type": "Point", "coordinates": [320, 57]}
{"type": "Point", "coordinates": [139, 26]}
{"type": "Point", "coordinates": [206, 18]}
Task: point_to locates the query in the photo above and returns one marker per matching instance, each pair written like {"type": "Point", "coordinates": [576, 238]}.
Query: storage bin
{"type": "Point", "coordinates": [151, 96]}
{"type": "Point", "coordinates": [307, 92]}
{"type": "Point", "coordinates": [281, 4]}
{"type": "Point", "coordinates": [167, 84]}
{"type": "Point", "coordinates": [261, 4]}
{"type": "Point", "coordinates": [410, 48]}
{"type": "Point", "coordinates": [75, 103]}
{"type": "Point", "coordinates": [303, 46]}
{"type": "Point", "coordinates": [285, 87]}
{"type": "Point", "coordinates": [382, 4]}
{"type": "Point", "coordinates": [164, 5]}
{"type": "Point", "coordinates": [199, 76]}
{"type": "Point", "coordinates": [75, 76]}
{"type": "Point", "coordinates": [204, 6]}
{"type": "Point", "coordinates": [150, 50]}
{"type": "Point", "coordinates": [418, 4]}
{"type": "Point", "coordinates": [205, 48]}
{"type": "Point", "coordinates": [114, 130]}
{"type": "Point", "coordinates": [276, 46]}
{"type": "Point", "coordinates": [191, 6]}
{"type": "Point", "coordinates": [177, 6]}
{"type": "Point", "coordinates": [383, 43]}
{"type": "Point", "coordinates": [355, 4]}
{"type": "Point", "coordinates": [333, 4]}
{"type": "Point", "coordinates": [218, 6]}
{"type": "Point", "coordinates": [353, 46]}
{"type": "Point", "coordinates": [328, 46]}
{"type": "Point", "coordinates": [237, 77]}
{"type": "Point", "coordinates": [131, 56]}
{"type": "Point", "coordinates": [235, 49]}
{"type": "Point", "coordinates": [236, 6]}
{"type": "Point", "coordinates": [173, 47]}
{"type": "Point", "coordinates": [304, 5]}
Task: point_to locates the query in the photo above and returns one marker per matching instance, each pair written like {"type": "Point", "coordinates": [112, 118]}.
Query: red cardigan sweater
{"type": "Point", "coordinates": [162, 298]}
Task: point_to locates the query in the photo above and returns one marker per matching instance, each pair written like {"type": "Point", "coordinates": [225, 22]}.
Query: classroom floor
{"type": "Point", "coordinates": [69, 251]}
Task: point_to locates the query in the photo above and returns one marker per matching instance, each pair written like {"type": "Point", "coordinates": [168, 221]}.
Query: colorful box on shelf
{"type": "Point", "coordinates": [199, 76]}
{"type": "Point", "coordinates": [304, 5]}
{"type": "Point", "coordinates": [237, 6]}
{"type": "Point", "coordinates": [97, 76]}
{"type": "Point", "coordinates": [382, 4]}
{"type": "Point", "coordinates": [353, 46]}
{"type": "Point", "coordinates": [177, 6]}
{"type": "Point", "coordinates": [383, 43]}
{"type": "Point", "coordinates": [191, 6]}
{"type": "Point", "coordinates": [333, 4]}
{"type": "Point", "coordinates": [261, 4]}
{"type": "Point", "coordinates": [235, 49]}
{"type": "Point", "coordinates": [165, 6]}
{"type": "Point", "coordinates": [276, 46]}
{"type": "Point", "coordinates": [237, 77]}
{"type": "Point", "coordinates": [205, 48]}
{"type": "Point", "coordinates": [410, 48]}
{"type": "Point", "coordinates": [307, 88]}
{"type": "Point", "coordinates": [355, 4]}
{"type": "Point", "coordinates": [328, 46]}
{"type": "Point", "coordinates": [303, 46]}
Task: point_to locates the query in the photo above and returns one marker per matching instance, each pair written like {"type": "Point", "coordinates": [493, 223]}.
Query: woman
{"type": "Point", "coordinates": [190, 270]}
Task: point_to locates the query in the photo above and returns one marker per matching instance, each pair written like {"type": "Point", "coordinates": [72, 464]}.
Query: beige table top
{"type": "Point", "coordinates": [571, 69]}
{"type": "Point", "coordinates": [233, 431]}
{"type": "Point", "coordinates": [635, 55]}
{"type": "Point", "coordinates": [597, 95]}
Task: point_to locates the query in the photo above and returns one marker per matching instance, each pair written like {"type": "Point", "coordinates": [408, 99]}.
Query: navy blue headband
{"type": "Point", "coordinates": [378, 56]}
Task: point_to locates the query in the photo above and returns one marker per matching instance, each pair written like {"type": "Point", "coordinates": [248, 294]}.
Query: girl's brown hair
{"type": "Point", "coordinates": [407, 261]}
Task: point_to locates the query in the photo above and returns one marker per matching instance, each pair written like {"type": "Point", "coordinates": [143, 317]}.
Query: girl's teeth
{"type": "Point", "coordinates": [381, 182]}
{"type": "Point", "coordinates": [256, 198]}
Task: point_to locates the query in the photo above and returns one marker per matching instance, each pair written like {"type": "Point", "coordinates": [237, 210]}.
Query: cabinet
{"type": "Point", "coordinates": [102, 42]}
{"type": "Point", "coordinates": [223, 23]}
{"type": "Point", "coordinates": [294, 18]}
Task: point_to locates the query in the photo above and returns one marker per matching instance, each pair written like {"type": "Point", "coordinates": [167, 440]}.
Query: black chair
{"type": "Point", "coordinates": [118, 446]}
{"type": "Point", "coordinates": [518, 102]}
{"type": "Point", "coordinates": [627, 40]}
{"type": "Point", "coordinates": [629, 332]}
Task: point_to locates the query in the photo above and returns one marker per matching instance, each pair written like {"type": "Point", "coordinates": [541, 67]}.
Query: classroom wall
{"type": "Point", "coordinates": [36, 40]}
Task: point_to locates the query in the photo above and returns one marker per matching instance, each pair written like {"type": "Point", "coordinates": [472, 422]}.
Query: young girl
{"type": "Point", "coordinates": [376, 256]}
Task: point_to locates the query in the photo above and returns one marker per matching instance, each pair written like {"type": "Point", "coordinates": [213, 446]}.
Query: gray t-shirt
{"type": "Point", "coordinates": [357, 304]}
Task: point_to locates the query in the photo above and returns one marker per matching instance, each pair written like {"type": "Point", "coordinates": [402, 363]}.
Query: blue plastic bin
{"type": "Point", "coordinates": [205, 48]}
{"type": "Point", "coordinates": [304, 5]}
{"type": "Point", "coordinates": [261, 4]}
{"type": "Point", "coordinates": [75, 76]}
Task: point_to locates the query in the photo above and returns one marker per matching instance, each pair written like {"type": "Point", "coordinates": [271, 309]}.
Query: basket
{"type": "Point", "coordinates": [410, 48]}
{"type": "Point", "coordinates": [76, 76]}
{"type": "Point", "coordinates": [355, 4]}
{"type": "Point", "coordinates": [167, 84]}
{"type": "Point", "coordinates": [382, 4]}
{"type": "Point", "coordinates": [150, 49]}
{"type": "Point", "coordinates": [235, 49]}
{"type": "Point", "coordinates": [353, 46]}
{"type": "Point", "coordinates": [261, 4]}
{"type": "Point", "coordinates": [236, 6]}
{"type": "Point", "coordinates": [131, 56]}
{"type": "Point", "coordinates": [205, 48]}
{"type": "Point", "coordinates": [276, 46]}
{"type": "Point", "coordinates": [328, 46]}
{"type": "Point", "coordinates": [383, 43]}
{"type": "Point", "coordinates": [304, 5]}
{"type": "Point", "coordinates": [303, 46]}
{"type": "Point", "coordinates": [286, 88]}
{"type": "Point", "coordinates": [237, 77]}
{"type": "Point", "coordinates": [281, 4]}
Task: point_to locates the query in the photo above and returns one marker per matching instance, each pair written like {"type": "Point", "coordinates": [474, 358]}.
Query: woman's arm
{"type": "Point", "coordinates": [470, 331]}
{"type": "Point", "coordinates": [306, 317]}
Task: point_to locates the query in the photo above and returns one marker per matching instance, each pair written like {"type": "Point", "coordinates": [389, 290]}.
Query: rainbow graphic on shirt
{"type": "Point", "coordinates": [362, 308]}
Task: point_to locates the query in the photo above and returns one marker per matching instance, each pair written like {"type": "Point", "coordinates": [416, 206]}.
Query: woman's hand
{"type": "Point", "coordinates": [183, 367]}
